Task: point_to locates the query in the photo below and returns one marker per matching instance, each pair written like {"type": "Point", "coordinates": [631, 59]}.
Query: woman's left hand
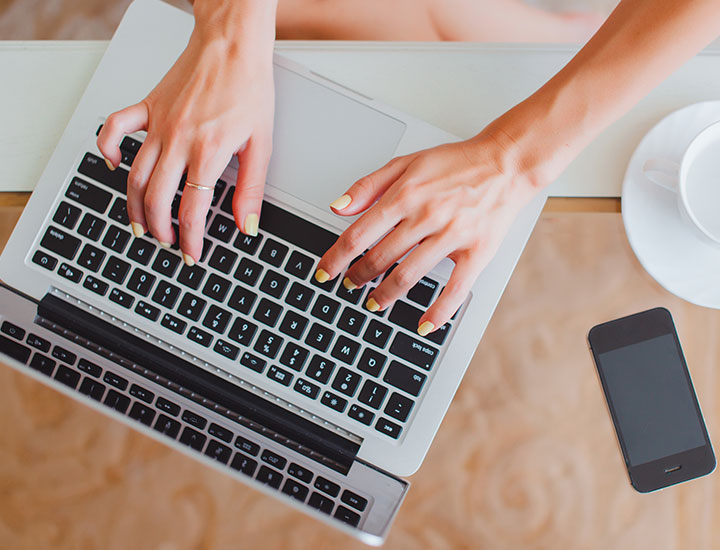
{"type": "Point", "coordinates": [456, 201]}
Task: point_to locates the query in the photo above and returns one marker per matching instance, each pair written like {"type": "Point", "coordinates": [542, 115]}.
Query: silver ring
{"type": "Point", "coordinates": [200, 187]}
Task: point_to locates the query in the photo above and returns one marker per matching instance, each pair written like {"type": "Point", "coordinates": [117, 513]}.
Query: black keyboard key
{"type": "Point", "coordinates": [117, 401]}
{"type": "Point", "coordinates": [147, 310]}
{"type": "Point", "coordinates": [222, 259]}
{"type": "Point", "coordinates": [243, 464]}
{"type": "Point", "coordinates": [167, 406]}
{"type": "Point", "coordinates": [64, 355]}
{"type": "Point", "coordinates": [269, 477]}
{"type": "Point", "coordinates": [129, 147]}
{"type": "Point", "coordinates": [253, 362]}
{"type": "Point", "coordinates": [273, 252]}
{"type": "Point", "coordinates": [242, 331]}
{"type": "Point", "coordinates": [222, 228]}
{"type": "Point", "coordinates": [44, 260]}
{"type": "Point", "coordinates": [115, 380]}
{"type": "Point", "coordinates": [95, 285]}
{"type": "Point", "coordinates": [88, 195]}
{"type": "Point", "coordinates": [91, 227]}
{"type": "Point", "coordinates": [296, 230]}
{"type": "Point", "coordinates": [246, 243]}
{"type": "Point", "coordinates": [325, 309]}
{"type": "Point", "coordinates": [345, 349]}
{"type": "Point", "coordinates": [66, 376]}
{"type": "Point", "coordinates": [273, 459]}
{"type": "Point", "coordinates": [175, 206]}
{"type": "Point", "coordinates": [352, 296]}
{"type": "Point", "coordinates": [268, 344]}
{"type": "Point", "coordinates": [191, 306]}
{"type": "Point", "coordinates": [12, 330]}
{"type": "Point", "coordinates": [248, 272]}
{"type": "Point", "coordinates": [70, 272]}
{"type": "Point", "coordinates": [171, 322]}
{"type": "Point", "coordinates": [67, 215]}
{"type": "Point", "coordinates": [91, 258]}
{"type": "Point", "coordinates": [322, 503]}
{"type": "Point", "coordinates": [405, 378]}
{"type": "Point", "coordinates": [320, 369]}
{"type": "Point", "coordinates": [166, 294]}
{"type": "Point", "coordinates": [422, 293]}
{"type": "Point", "coordinates": [194, 420]}
{"type": "Point", "coordinates": [273, 283]}
{"type": "Point", "coordinates": [361, 415]}
{"type": "Point", "coordinates": [377, 333]}
{"type": "Point", "coordinates": [118, 212]}
{"type": "Point", "coordinates": [193, 439]}
{"type": "Point", "coordinates": [268, 312]}
{"type": "Point", "coordinates": [216, 287]}
{"type": "Point", "coordinates": [399, 407]}
{"type": "Point", "coordinates": [308, 389]}
{"type": "Point", "coordinates": [319, 337]}
{"type": "Point", "coordinates": [90, 368]}
{"type": "Point", "coordinates": [191, 277]}
{"type": "Point", "coordinates": [217, 319]}
{"type": "Point", "coordinates": [167, 426]}
{"type": "Point", "coordinates": [60, 242]}
{"type": "Point", "coordinates": [280, 375]}
{"type": "Point", "coordinates": [407, 316]}
{"type": "Point", "coordinates": [294, 356]}
{"type": "Point", "coordinates": [141, 393]}
{"type": "Point", "coordinates": [299, 296]}
{"type": "Point", "coordinates": [218, 451]}
{"type": "Point", "coordinates": [293, 325]}
{"type": "Point", "coordinates": [327, 486]}
{"type": "Point", "coordinates": [226, 349]}
{"type": "Point", "coordinates": [166, 263]}
{"type": "Point", "coordinates": [347, 516]}
{"type": "Point", "coordinates": [299, 265]}
{"type": "Point", "coordinates": [351, 321]}
{"type": "Point", "coordinates": [121, 298]}
{"type": "Point", "coordinates": [346, 381]}
{"type": "Point", "coordinates": [220, 432]}
{"type": "Point", "coordinates": [199, 336]}
{"type": "Point", "coordinates": [94, 167]}
{"type": "Point", "coordinates": [327, 286]}
{"type": "Point", "coordinates": [356, 501]}
{"type": "Point", "coordinates": [247, 446]}
{"type": "Point", "coordinates": [388, 428]}
{"type": "Point", "coordinates": [116, 239]}
{"type": "Point", "coordinates": [333, 401]}
{"type": "Point", "coordinates": [141, 251]}
{"type": "Point", "coordinates": [295, 490]}
{"type": "Point", "coordinates": [116, 270]}
{"type": "Point", "coordinates": [92, 389]}
{"type": "Point", "coordinates": [297, 471]}
{"type": "Point", "coordinates": [43, 364]}
{"type": "Point", "coordinates": [372, 394]}
{"type": "Point", "coordinates": [207, 246]}
{"type": "Point", "coordinates": [414, 351]}
{"type": "Point", "coordinates": [226, 205]}
{"type": "Point", "coordinates": [242, 300]}
{"type": "Point", "coordinates": [38, 343]}
{"type": "Point", "coordinates": [220, 186]}
{"type": "Point", "coordinates": [141, 282]}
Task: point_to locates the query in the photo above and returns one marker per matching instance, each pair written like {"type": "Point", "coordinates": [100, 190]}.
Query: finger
{"type": "Point", "coordinates": [117, 125]}
{"type": "Point", "coordinates": [365, 191]}
{"type": "Point", "coordinates": [140, 173]}
{"type": "Point", "coordinates": [247, 202]}
{"type": "Point", "coordinates": [159, 195]}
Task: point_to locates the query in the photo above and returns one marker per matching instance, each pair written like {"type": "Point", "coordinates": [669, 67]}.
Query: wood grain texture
{"type": "Point", "coordinates": [526, 456]}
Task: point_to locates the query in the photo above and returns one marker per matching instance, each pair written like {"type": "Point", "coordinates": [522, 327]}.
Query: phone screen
{"type": "Point", "coordinates": [652, 398]}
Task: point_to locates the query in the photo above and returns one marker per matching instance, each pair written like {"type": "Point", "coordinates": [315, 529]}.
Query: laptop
{"type": "Point", "coordinates": [243, 361]}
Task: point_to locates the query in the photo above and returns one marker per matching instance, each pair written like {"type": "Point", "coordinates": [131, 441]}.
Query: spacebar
{"type": "Point", "coordinates": [294, 229]}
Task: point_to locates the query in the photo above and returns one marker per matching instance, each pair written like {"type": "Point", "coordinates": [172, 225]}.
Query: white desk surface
{"type": "Point", "coordinates": [457, 87]}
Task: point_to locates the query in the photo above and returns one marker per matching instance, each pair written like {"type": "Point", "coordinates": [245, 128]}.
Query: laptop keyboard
{"type": "Point", "coordinates": [252, 300]}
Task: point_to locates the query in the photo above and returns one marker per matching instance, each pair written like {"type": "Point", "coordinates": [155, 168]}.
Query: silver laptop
{"type": "Point", "coordinates": [243, 361]}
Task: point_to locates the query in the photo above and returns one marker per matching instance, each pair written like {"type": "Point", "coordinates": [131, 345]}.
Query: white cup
{"type": "Point", "coordinates": [695, 181]}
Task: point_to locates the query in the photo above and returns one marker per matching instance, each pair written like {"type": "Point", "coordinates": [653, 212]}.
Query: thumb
{"type": "Point", "coordinates": [253, 162]}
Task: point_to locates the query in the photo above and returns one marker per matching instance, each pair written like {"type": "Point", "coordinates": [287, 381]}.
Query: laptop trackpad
{"type": "Point", "coordinates": [324, 141]}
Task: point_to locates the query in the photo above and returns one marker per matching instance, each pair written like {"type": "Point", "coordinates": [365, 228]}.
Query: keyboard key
{"type": "Point", "coordinates": [200, 336]}
{"type": "Point", "coordinates": [247, 446]}
{"type": "Point", "coordinates": [60, 242]}
{"type": "Point", "coordinates": [361, 415]}
{"type": "Point", "coordinates": [306, 388]}
{"type": "Point", "coordinates": [246, 243]}
{"type": "Point", "coordinates": [167, 426]}
{"type": "Point", "coordinates": [118, 212]}
{"type": "Point", "coordinates": [327, 486]}
{"type": "Point", "coordinates": [414, 351]}
{"type": "Point", "coordinates": [166, 294]}
{"type": "Point", "coordinates": [347, 516]}
{"type": "Point", "coordinates": [273, 283]}
{"type": "Point", "coordinates": [333, 401]}
{"type": "Point", "coordinates": [372, 394]}
{"type": "Point", "coordinates": [325, 309]}
{"type": "Point", "coordinates": [92, 389]}
{"type": "Point", "coordinates": [243, 464]}
{"type": "Point", "coordinates": [191, 306]}
{"type": "Point", "coordinates": [141, 393]}
{"type": "Point", "coordinates": [68, 377]}
{"type": "Point", "coordinates": [268, 344]}
{"type": "Point", "coordinates": [299, 296]}
{"type": "Point", "coordinates": [352, 296]}
{"type": "Point", "coordinates": [116, 270]}
{"type": "Point", "coordinates": [193, 439]}
{"type": "Point", "coordinates": [407, 316]}
{"type": "Point", "coordinates": [217, 319]}
{"type": "Point", "coordinates": [268, 312]}
{"type": "Point", "coordinates": [218, 451]}
{"type": "Point", "coordinates": [216, 287]}
{"type": "Point", "coordinates": [253, 362]}
{"type": "Point", "coordinates": [346, 381]}
{"type": "Point", "coordinates": [327, 286]}
{"type": "Point", "coordinates": [44, 260]}
{"type": "Point", "coordinates": [388, 428]}
{"type": "Point", "coordinates": [273, 459]}
{"type": "Point", "coordinates": [295, 490]}
{"type": "Point", "coordinates": [222, 259]}
{"type": "Point", "coordinates": [351, 321]}
{"type": "Point", "coordinates": [173, 323]}
{"type": "Point", "coordinates": [248, 272]}
{"type": "Point", "coordinates": [175, 206]}
{"type": "Point", "coordinates": [422, 293]}
{"type": "Point", "coordinates": [116, 239]}
{"type": "Point", "coordinates": [220, 186]}
{"type": "Point", "coordinates": [293, 325]}
{"type": "Point", "coordinates": [12, 330]}
{"type": "Point", "coordinates": [141, 282]}
{"type": "Point", "coordinates": [91, 368]}
{"type": "Point", "coordinates": [322, 503]}
{"type": "Point", "coordinates": [194, 420]}
{"type": "Point", "coordinates": [242, 331]}
{"type": "Point", "coordinates": [117, 401]}
{"type": "Point", "coordinates": [141, 251]}
{"type": "Point", "coordinates": [280, 375]}
{"type": "Point", "coordinates": [167, 406]}
{"type": "Point", "coordinates": [222, 228]}
{"type": "Point", "coordinates": [94, 167]}
{"type": "Point", "coordinates": [273, 253]}
{"type": "Point", "coordinates": [38, 343]}
{"type": "Point", "coordinates": [297, 471]}
{"type": "Point", "coordinates": [115, 380]}
{"type": "Point", "coordinates": [64, 355]}
{"type": "Point", "coordinates": [88, 195]}
{"type": "Point", "coordinates": [302, 233]}
{"type": "Point", "coordinates": [166, 263]}
{"type": "Point", "coordinates": [67, 215]}
{"type": "Point", "coordinates": [130, 146]}
{"type": "Point", "coordinates": [356, 501]}
{"type": "Point", "coordinates": [226, 349]}
{"type": "Point", "coordinates": [399, 407]}
{"type": "Point", "coordinates": [269, 477]}
{"type": "Point", "coordinates": [377, 333]}
{"type": "Point", "coordinates": [147, 310]}
{"type": "Point", "coordinates": [405, 378]}
{"type": "Point", "coordinates": [294, 356]}
{"type": "Point", "coordinates": [207, 246]}
{"type": "Point", "coordinates": [70, 272]}
{"type": "Point", "coordinates": [43, 364]}
{"type": "Point", "coordinates": [220, 432]}
{"type": "Point", "coordinates": [345, 349]}
{"type": "Point", "coordinates": [319, 337]}
{"type": "Point", "coordinates": [299, 265]}
{"type": "Point", "coordinates": [121, 298]}
{"type": "Point", "coordinates": [191, 277]}
{"type": "Point", "coordinates": [91, 227]}
{"type": "Point", "coordinates": [320, 369]}
{"type": "Point", "coordinates": [91, 258]}
{"type": "Point", "coordinates": [95, 285]}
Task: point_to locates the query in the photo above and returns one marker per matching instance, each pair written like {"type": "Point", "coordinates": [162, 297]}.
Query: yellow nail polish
{"type": "Point", "coordinates": [164, 245]}
{"type": "Point", "coordinates": [188, 260]}
{"type": "Point", "coordinates": [251, 224]}
{"type": "Point", "coordinates": [425, 328]}
{"type": "Point", "coordinates": [347, 283]}
{"type": "Point", "coordinates": [341, 203]}
{"type": "Point", "coordinates": [137, 229]}
{"type": "Point", "coordinates": [322, 276]}
{"type": "Point", "coordinates": [109, 165]}
{"type": "Point", "coordinates": [372, 305]}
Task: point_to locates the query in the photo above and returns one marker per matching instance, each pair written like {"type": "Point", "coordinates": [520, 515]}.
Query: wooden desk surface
{"type": "Point", "coordinates": [526, 456]}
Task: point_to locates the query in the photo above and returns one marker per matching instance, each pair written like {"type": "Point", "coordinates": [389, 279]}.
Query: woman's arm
{"type": "Point", "coordinates": [459, 200]}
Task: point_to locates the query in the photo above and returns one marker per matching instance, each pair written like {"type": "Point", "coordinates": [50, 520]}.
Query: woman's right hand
{"type": "Point", "coordinates": [216, 101]}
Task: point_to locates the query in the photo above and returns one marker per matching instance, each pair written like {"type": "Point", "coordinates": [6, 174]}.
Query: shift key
{"type": "Point", "coordinates": [416, 352]}
{"type": "Point", "coordinates": [60, 242]}
{"type": "Point", "coordinates": [88, 194]}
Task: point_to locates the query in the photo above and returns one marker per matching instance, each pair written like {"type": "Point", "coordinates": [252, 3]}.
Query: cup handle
{"type": "Point", "coordinates": [663, 172]}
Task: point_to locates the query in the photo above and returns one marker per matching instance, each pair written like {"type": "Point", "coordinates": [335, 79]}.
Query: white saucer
{"type": "Point", "coordinates": [666, 247]}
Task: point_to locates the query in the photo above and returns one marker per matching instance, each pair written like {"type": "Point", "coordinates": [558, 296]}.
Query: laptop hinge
{"type": "Point", "coordinates": [250, 409]}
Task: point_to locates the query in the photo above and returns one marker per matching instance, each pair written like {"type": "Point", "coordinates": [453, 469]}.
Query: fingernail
{"type": "Point", "coordinates": [341, 203]}
{"type": "Point", "coordinates": [347, 283]}
{"type": "Point", "coordinates": [188, 260]}
{"type": "Point", "coordinates": [251, 224]}
{"type": "Point", "coordinates": [164, 245]}
{"type": "Point", "coordinates": [372, 305]}
{"type": "Point", "coordinates": [137, 229]}
{"type": "Point", "coordinates": [109, 165]}
{"type": "Point", "coordinates": [322, 276]}
{"type": "Point", "coordinates": [425, 328]}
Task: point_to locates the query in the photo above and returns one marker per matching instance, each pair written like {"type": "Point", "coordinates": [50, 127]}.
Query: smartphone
{"type": "Point", "coordinates": [651, 400]}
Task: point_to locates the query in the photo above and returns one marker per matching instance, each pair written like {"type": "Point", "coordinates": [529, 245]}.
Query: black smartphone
{"type": "Point", "coordinates": [651, 400]}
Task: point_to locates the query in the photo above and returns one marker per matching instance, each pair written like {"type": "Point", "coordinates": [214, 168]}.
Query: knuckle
{"type": "Point", "coordinates": [112, 120]}
{"type": "Point", "coordinates": [350, 240]}
{"type": "Point", "coordinates": [373, 262]}
{"type": "Point", "coordinates": [135, 181]}
{"type": "Point", "coordinates": [189, 222]}
{"type": "Point", "coordinates": [404, 277]}
{"type": "Point", "coordinates": [153, 204]}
